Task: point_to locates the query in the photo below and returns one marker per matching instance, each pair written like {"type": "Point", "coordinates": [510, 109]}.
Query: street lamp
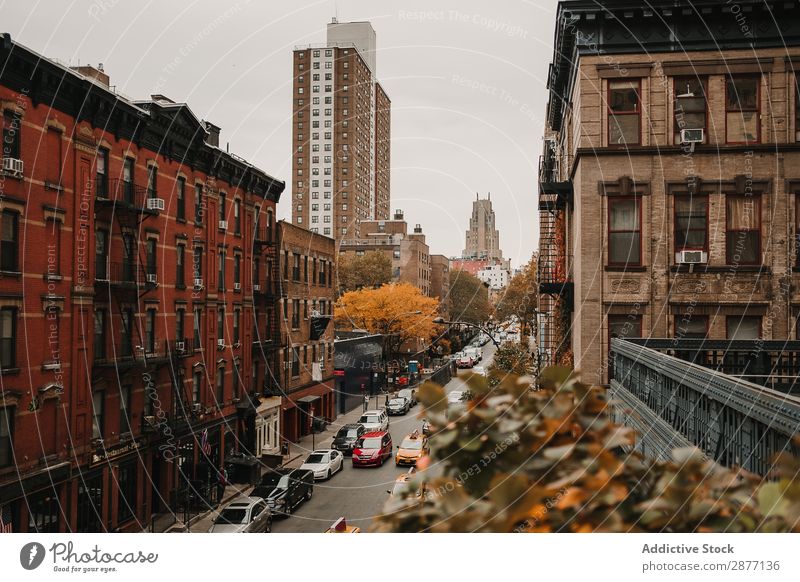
{"type": "Point", "coordinates": [441, 321]}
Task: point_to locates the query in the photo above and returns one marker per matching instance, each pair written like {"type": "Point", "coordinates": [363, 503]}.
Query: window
{"type": "Point", "coordinates": [151, 256]}
{"type": "Point", "coordinates": [305, 269]}
{"type": "Point", "coordinates": [180, 280]}
{"type": "Point", "coordinates": [221, 271]}
{"type": "Point", "coordinates": [797, 106]}
{"type": "Point", "coordinates": [9, 242]}
{"type": "Point", "coordinates": [237, 267]}
{"type": "Point", "coordinates": [198, 203]}
{"type": "Point", "coordinates": [181, 199]}
{"type": "Point", "coordinates": [221, 323]}
{"type": "Point", "coordinates": [197, 262]}
{"type": "Point", "coordinates": [98, 414]}
{"type": "Point", "coordinates": [622, 327]}
{"type": "Point", "coordinates": [152, 175]}
{"type": "Point", "coordinates": [222, 209]}
{"type": "Point", "coordinates": [623, 113]}
{"type": "Point", "coordinates": [99, 334]}
{"type": "Point", "coordinates": [150, 331]}
{"type": "Point", "coordinates": [180, 316]}
{"type": "Point", "coordinates": [197, 315]}
{"type": "Point", "coordinates": [396, 254]}
{"type": "Point", "coordinates": [128, 180]}
{"type": "Point", "coordinates": [8, 337]}
{"type": "Point", "coordinates": [44, 510]}
{"type": "Point", "coordinates": [624, 231]}
{"type": "Point", "coordinates": [295, 313]}
{"type": "Point", "coordinates": [11, 131]}
{"type": "Point", "coordinates": [236, 317]}
{"type": "Point", "coordinates": [90, 504]}
{"type": "Point", "coordinates": [689, 105]}
{"type": "Point", "coordinates": [691, 223]}
{"type": "Point", "coordinates": [6, 437]}
{"type": "Point", "coordinates": [220, 386]}
{"type": "Point", "coordinates": [124, 408]}
{"type": "Point", "coordinates": [743, 327]}
{"type": "Point", "coordinates": [296, 268]}
{"type": "Point", "coordinates": [237, 219]}
{"type": "Point", "coordinates": [126, 332]}
{"type": "Point", "coordinates": [295, 362]}
{"type": "Point", "coordinates": [101, 181]}
{"type": "Point", "coordinates": [743, 230]}
{"type": "Point", "coordinates": [690, 326]}
{"type": "Point", "coordinates": [126, 479]}
{"type": "Point", "coordinates": [742, 110]}
{"type": "Point", "coordinates": [197, 384]}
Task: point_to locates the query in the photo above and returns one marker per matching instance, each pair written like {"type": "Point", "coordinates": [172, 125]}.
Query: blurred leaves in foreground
{"type": "Point", "coordinates": [550, 459]}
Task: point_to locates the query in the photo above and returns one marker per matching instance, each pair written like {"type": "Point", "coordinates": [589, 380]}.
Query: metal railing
{"type": "Point", "coordinates": [774, 364]}
{"type": "Point", "coordinates": [122, 194]}
{"type": "Point", "coordinates": [736, 422]}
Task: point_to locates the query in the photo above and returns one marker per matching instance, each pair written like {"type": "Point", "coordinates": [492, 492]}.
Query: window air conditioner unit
{"type": "Point", "coordinates": [256, 287]}
{"type": "Point", "coordinates": [197, 408]}
{"type": "Point", "coordinates": [223, 225]}
{"type": "Point", "coordinates": [692, 135]}
{"type": "Point", "coordinates": [180, 347]}
{"type": "Point", "coordinates": [152, 278]}
{"type": "Point", "coordinates": [221, 344]}
{"type": "Point", "coordinates": [237, 286]}
{"type": "Point", "coordinates": [198, 283]}
{"type": "Point", "coordinates": [692, 257]}
{"type": "Point", "coordinates": [13, 166]}
{"type": "Point", "coordinates": [155, 204]}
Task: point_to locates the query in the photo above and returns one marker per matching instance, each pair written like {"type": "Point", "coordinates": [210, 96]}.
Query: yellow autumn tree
{"type": "Point", "coordinates": [398, 311]}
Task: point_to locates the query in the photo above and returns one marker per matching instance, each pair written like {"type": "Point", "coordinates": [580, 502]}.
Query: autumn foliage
{"type": "Point", "coordinates": [552, 460]}
{"type": "Point", "coordinates": [389, 310]}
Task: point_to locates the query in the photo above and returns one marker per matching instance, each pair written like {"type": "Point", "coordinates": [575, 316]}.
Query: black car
{"type": "Point", "coordinates": [284, 489]}
{"type": "Point", "coordinates": [346, 438]}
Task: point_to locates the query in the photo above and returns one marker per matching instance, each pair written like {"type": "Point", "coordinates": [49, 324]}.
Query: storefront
{"type": "Point", "coordinates": [301, 407]}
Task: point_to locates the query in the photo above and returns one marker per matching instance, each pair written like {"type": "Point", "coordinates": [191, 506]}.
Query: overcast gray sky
{"type": "Point", "coordinates": [466, 80]}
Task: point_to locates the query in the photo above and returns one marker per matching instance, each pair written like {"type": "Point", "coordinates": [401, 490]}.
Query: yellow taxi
{"type": "Point", "coordinates": [413, 447]}
{"type": "Point", "coordinates": [401, 485]}
{"type": "Point", "coordinates": [340, 526]}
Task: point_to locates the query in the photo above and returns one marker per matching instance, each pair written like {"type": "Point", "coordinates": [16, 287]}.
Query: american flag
{"type": "Point", "coordinates": [205, 446]}
{"type": "Point", "coordinates": [5, 520]}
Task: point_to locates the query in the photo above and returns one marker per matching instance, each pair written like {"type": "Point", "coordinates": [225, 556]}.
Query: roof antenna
{"type": "Point", "coordinates": [335, 12]}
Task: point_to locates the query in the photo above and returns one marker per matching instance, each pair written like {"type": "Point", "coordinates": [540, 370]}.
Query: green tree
{"type": "Point", "coordinates": [546, 459]}
{"type": "Point", "coordinates": [469, 298]}
{"type": "Point", "coordinates": [512, 358]}
{"type": "Point", "coordinates": [370, 270]}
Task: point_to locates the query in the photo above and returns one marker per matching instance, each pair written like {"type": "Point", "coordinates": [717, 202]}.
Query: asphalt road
{"type": "Point", "coordinates": [359, 494]}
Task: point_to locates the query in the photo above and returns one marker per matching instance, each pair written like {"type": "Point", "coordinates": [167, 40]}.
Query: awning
{"type": "Point", "coordinates": [307, 399]}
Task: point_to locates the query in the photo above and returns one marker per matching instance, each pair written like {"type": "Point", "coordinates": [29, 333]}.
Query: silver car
{"type": "Point", "coordinates": [245, 515]}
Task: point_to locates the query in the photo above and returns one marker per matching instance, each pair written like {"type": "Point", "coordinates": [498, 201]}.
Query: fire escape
{"type": "Point", "coordinates": [267, 291]}
{"type": "Point", "coordinates": [124, 283]}
{"type": "Point", "coordinates": [554, 265]}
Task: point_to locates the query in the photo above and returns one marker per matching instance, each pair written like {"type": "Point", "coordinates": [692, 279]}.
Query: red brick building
{"type": "Point", "coordinates": [306, 362]}
{"type": "Point", "coordinates": [131, 247]}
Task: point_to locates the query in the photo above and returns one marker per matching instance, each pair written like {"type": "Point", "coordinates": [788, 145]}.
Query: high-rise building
{"type": "Point", "coordinates": [483, 239]}
{"type": "Point", "coordinates": [341, 134]}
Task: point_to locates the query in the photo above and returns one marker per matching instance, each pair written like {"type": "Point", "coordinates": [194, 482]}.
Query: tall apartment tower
{"type": "Point", "coordinates": [341, 134]}
{"type": "Point", "coordinates": [483, 239]}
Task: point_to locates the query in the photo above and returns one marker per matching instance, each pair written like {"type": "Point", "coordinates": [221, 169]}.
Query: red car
{"type": "Point", "coordinates": [372, 448]}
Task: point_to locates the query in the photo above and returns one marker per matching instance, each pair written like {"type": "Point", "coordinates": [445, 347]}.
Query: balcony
{"type": "Point", "coordinates": [125, 355]}
{"type": "Point", "coordinates": [672, 402]}
{"type": "Point", "coordinates": [123, 197]}
{"type": "Point", "coordinates": [121, 274]}
{"type": "Point", "coordinates": [554, 193]}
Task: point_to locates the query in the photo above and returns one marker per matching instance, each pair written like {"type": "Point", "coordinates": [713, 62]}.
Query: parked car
{"type": "Point", "coordinates": [269, 481]}
{"type": "Point", "coordinates": [409, 393]}
{"type": "Point", "coordinates": [427, 427]}
{"type": "Point", "coordinates": [476, 353]}
{"type": "Point", "coordinates": [373, 420]}
{"type": "Point", "coordinates": [346, 438]}
{"type": "Point", "coordinates": [413, 447]}
{"type": "Point", "coordinates": [373, 448]}
{"type": "Point", "coordinates": [324, 463]}
{"type": "Point", "coordinates": [292, 488]}
{"type": "Point", "coordinates": [465, 362]}
{"type": "Point", "coordinates": [479, 370]}
{"type": "Point", "coordinates": [457, 399]}
{"type": "Point", "coordinates": [245, 515]}
{"type": "Point", "coordinates": [398, 406]}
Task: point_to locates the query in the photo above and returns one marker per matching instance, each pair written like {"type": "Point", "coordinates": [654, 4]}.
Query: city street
{"type": "Point", "coordinates": [359, 494]}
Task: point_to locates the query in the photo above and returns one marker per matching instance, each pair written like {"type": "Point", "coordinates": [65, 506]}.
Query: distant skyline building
{"type": "Point", "coordinates": [483, 238]}
{"type": "Point", "coordinates": [341, 131]}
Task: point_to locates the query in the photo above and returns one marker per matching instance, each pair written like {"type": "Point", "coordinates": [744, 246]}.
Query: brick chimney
{"type": "Point", "coordinates": [96, 73]}
{"type": "Point", "coordinates": [213, 134]}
